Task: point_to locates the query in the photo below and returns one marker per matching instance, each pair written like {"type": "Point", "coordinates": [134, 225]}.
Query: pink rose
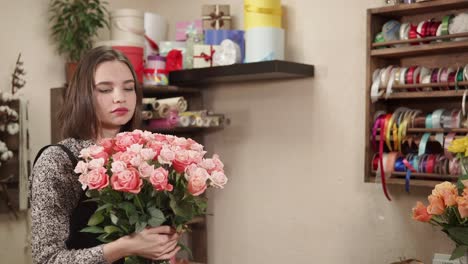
{"type": "Point", "coordinates": [197, 178]}
{"type": "Point", "coordinates": [124, 140]}
{"type": "Point", "coordinates": [193, 145]}
{"type": "Point", "coordinates": [147, 136]}
{"type": "Point", "coordinates": [196, 185]}
{"type": "Point", "coordinates": [196, 156]}
{"type": "Point", "coordinates": [462, 202]}
{"type": "Point", "coordinates": [127, 181]}
{"type": "Point", "coordinates": [107, 144]}
{"type": "Point", "coordinates": [159, 180]}
{"type": "Point", "coordinates": [181, 161]}
{"type": "Point", "coordinates": [160, 138]}
{"type": "Point", "coordinates": [146, 170]}
{"type": "Point", "coordinates": [148, 154]}
{"type": "Point", "coordinates": [136, 160]}
{"type": "Point", "coordinates": [208, 165]}
{"type": "Point", "coordinates": [96, 164]}
{"type": "Point", "coordinates": [180, 142]}
{"type": "Point", "coordinates": [118, 166]}
{"type": "Point", "coordinates": [98, 179]}
{"type": "Point", "coordinates": [81, 167]}
{"type": "Point", "coordinates": [218, 162]}
{"type": "Point", "coordinates": [124, 156]}
{"type": "Point", "coordinates": [166, 156]}
{"type": "Point", "coordinates": [156, 146]}
{"type": "Point", "coordinates": [218, 179]}
{"type": "Point", "coordinates": [101, 155]}
{"type": "Point", "coordinates": [91, 151]}
{"type": "Point", "coordinates": [135, 148]}
{"type": "Point", "coordinates": [83, 179]}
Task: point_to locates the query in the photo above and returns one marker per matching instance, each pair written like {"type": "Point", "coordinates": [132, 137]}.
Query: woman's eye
{"type": "Point", "coordinates": [101, 90]}
{"type": "Point", "coordinates": [129, 88]}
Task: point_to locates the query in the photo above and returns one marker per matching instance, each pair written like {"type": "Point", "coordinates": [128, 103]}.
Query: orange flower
{"type": "Point", "coordinates": [420, 213]}
{"type": "Point", "coordinates": [463, 206]}
{"type": "Point", "coordinates": [436, 205]}
{"type": "Point", "coordinates": [447, 192]}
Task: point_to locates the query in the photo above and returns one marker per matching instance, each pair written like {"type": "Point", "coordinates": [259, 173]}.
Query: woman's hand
{"type": "Point", "coordinates": [156, 243]}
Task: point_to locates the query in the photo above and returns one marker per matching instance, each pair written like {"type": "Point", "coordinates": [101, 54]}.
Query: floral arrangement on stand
{"type": "Point", "coordinates": [448, 204]}
{"type": "Point", "coordinates": [142, 179]}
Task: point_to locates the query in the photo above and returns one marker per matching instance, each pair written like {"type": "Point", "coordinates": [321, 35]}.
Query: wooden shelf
{"type": "Point", "coordinates": [168, 91]}
{"type": "Point", "coordinates": [197, 220]}
{"type": "Point", "coordinates": [265, 70]}
{"type": "Point", "coordinates": [413, 182]}
{"type": "Point", "coordinates": [424, 95]}
{"type": "Point", "coordinates": [437, 130]}
{"type": "Point", "coordinates": [425, 49]}
{"type": "Point", "coordinates": [418, 8]}
{"type": "Point", "coordinates": [432, 176]}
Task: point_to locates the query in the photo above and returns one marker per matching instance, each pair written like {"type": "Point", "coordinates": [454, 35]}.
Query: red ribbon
{"type": "Point", "coordinates": [207, 57]}
{"type": "Point", "coordinates": [174, 60]}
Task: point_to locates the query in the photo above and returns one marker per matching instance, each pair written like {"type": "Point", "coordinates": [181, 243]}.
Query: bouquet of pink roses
{"type": "Point", "coordinates": [142, 179]}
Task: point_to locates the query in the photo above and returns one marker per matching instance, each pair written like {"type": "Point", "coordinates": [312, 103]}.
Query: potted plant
{"type": "Point", "coordinates": [73, 24]}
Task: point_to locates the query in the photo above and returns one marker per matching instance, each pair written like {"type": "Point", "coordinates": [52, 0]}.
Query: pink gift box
{"type": "Point", "coordinates": [185, 28]}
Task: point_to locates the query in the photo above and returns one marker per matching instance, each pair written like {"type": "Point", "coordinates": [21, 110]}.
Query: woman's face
{"type": "Point", "coordinates": [114, 93]}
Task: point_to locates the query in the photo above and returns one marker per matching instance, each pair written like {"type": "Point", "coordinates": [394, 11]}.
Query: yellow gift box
{"type": "Point", "coordinates": [262, 13]}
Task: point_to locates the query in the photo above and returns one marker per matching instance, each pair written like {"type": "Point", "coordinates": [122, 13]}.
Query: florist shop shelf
{"type": "Point", "coordinates": [427, 176]}
{"type": "Point", "coordinates": [424, 95]}
{"type": "Point", "coordinates": [265, 70]}
{"type": "Point", "coordinates": [434, 48]}
{"type": "Point", "coordinates": [397, 11]}
{"type": "Point", "coordinates": [162, 91]}
{"type": "Point", "coordinates": [414, 182]}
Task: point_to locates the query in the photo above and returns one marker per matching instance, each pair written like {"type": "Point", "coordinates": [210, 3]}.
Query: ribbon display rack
{"type": "Point", "coordinates": [423, 69]}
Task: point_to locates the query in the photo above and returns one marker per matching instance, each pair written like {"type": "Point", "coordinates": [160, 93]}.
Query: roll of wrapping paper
{"type": "Point", "coordinates": [178, 103]}
{"type": "Point", "coordinates": [159, 110]}
{"type": "Point", "coordinates": [262, 13]}
{"type": "Point", "coordinates": [185, 121]}
{"type": "Point", "coordinates": [170, 122]}
{"type": "Point", "coordinates": [150, 104]}
{"type": "Point", "coordinates": [199, 121]}
{"type": "Point", "coordinates": [146, 115]}
{"type": "Point", "coordinates": [264, 44]}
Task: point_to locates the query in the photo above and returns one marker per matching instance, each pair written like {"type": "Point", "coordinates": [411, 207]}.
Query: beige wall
{"type": "Point", "coordinates": [294, 150]}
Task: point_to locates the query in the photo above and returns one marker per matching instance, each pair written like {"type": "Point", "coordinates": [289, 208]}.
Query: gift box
{"type": "Point", "coordinates": [216, 17]}
{"type": "Point", "coordinates": [264, 44]}
{"type": "Point", "coordinates": [215, 37]}
{"type": "Point", "coordinates": [188, 28]}
{"type": "Point", "coordinates": [203, 55]}
{"type": "Point", "coordinates": [166, 46]}
{"type": "Point", "coordinates": [262, 13]}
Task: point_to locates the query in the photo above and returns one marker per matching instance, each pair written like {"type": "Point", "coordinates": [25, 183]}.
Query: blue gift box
{"type": "Point", "coordinates": [215, 37]}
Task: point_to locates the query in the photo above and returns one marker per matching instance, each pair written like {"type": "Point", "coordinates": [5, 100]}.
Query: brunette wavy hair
{"type": "Point", "coordinates": [77, 117]}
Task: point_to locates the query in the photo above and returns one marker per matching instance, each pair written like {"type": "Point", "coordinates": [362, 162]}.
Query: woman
{"type": "Point", "coordinates": [101, 101]}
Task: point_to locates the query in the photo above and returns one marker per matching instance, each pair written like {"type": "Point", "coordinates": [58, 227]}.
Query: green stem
{"type": "Point", "coordinates": [139, 203]}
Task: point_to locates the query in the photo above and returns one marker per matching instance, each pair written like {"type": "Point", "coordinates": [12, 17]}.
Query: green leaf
{"type": "Point", "coordinates": [133, 219]}
{"type": "Point", "coordinates": [102, 207]}
{"type": "Point", "coordinates": [93, 229]}
{"type": "Point", "coordinates": [129, 208]}
{"type": "Point", "coordinates": [96, 219]}
{"type": "Point", "coordinates": [458, 234]}
{"type": "Point", "coordinates": [112, 229]}
{"type": "Point", "coordinates": [140, 226]}
{"type": "Point", "coordinates": [104, 238]}
{"type": "Point", "coordinates": [157, 217]}
{"type": "Point", "coordinates": [458, 252]}
{"type": "Point", "coordinates": [114, 219]}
